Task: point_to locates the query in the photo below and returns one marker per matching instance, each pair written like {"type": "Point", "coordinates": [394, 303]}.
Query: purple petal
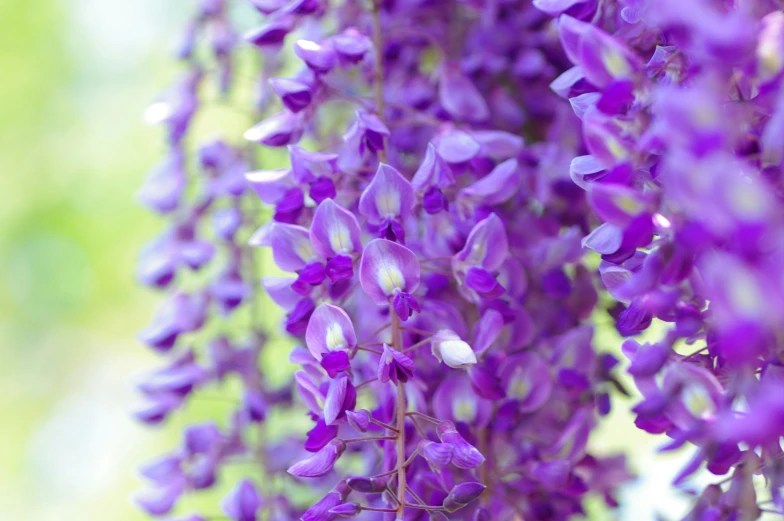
{"type": "Point", "coordinates": [160, 501]}
{"type": "Point", "coordinates": [433, 172]}
{"type": "Point", "coordinates": [291, 247]}
{"type": "Point", "coordinates": [359, 420]}
{"type": "Point", "coordinates": [319, 58]}
{"type": "Point", "coordinates": [582, 167]}
{"type": "Point", "coordinates": [456, 147]}
{"type": "Point", "coordinates": [486, 245]}
{"type": "Point", "coordinates": [270, 185]}
{"type": "Point", "coordinates": [320, 435]}
{"type": "Point", "coordinates": [565, 84]}
{"type": "Point", "coordinates": [462, 494]}
{"type": "Point", "coordinates": [307, 166]}
{"type": "Point", "coordinates": [335, 230]}
{"type": "Point", "coordinates": [526, 378]}
{"type": "Point", "coordinates": [335, 362]}
{"type": "Point", "coordinates": [347, 510]}
{"type": "Point", "coordinates": [455, 400]}
{"type": "Point", "coordinates": [243, 502]}
{"type": "Point", "coordinates": [387, 268]}
{"type": "Point", "coordinates": [279, 290]}
{"type": "Point", "coordinates": [294, 94]}
{"type": "Point", "coordinates": [271, 34]}
{"type": "Point", "coordinates": [437, 454]}
{"type": "Point", "coordinates": [330, 329]}
{"type": "Point", "coordinates": [395, 366]}
{"type": "Point", "coordinates": [485, 384]}
{"type": "Point", "coordinates": [388, 196]}
{"type": "Point", "coordinates": [617, 204]}
{"type": "Point", "coordinates": [606, 239]}
{"type": "Point", "coordinates": [459, 96]}
{"type": "Point", "coordinates": [499, 145]}
{"type": "Point", "coordinates": [487, 330]}
{"type": "Point", "coordinates": [279, 130]}
{"type": "Point", "coordinates": [601, 57]}
{"type": "Point", "coordinates": [351, 45]}
{"type": "Point", "coordinates": [320, 463]}
{"type": "Point", "coordinates": [464, 455]}
{"type": "Point", "coordinates": [164, 186]}
{"type": "Point", "coordinates": [498, 186]}
{"type": "Point", "coordinates": [336, 395]}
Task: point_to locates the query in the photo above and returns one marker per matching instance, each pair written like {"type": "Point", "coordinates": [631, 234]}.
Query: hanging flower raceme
{"type": "Point", "coordinates": [434, 222]}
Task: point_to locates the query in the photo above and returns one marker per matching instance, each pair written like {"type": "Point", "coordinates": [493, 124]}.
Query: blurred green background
{"type": "Point", "coordinates": [76, 77]}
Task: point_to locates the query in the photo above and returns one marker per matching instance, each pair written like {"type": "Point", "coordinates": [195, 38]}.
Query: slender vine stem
{"type": "Point", "coordinates": [378, 70]}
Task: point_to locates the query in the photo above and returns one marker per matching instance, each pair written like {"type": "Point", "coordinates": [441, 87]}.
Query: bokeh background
{"type": "Point", "coordinates": [75, 77]}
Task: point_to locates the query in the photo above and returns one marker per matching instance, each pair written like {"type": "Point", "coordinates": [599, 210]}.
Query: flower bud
{"type": "Point", "coordinates": [367, 485]}
{"type": "Point", "coordinates": [359, 420]}
{"type": "Point", "coordinates": [464, 455]}
{"type": "Point", "coordinates": [447, 347]}
{"type": "Point", "coordinates": [346, 510]}
{"type": "Point", "coordinates": [437, 454]}
{"type": "Point", "coordinates": [294, 94]}
{"type": "Point", "coordinates": [320, 511]}
{"type": "Point", "coordinates": [351, 45]}
{"type": "Point", "coordinates": [395, 366]}
{"type": "Point", "coordinates": [462, 494]}
{"type": "Point", "coordinates": [319, 58]}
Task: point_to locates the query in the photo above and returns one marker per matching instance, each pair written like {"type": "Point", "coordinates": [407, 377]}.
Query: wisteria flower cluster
{"type": "Point", "coordinates": [469, 185]}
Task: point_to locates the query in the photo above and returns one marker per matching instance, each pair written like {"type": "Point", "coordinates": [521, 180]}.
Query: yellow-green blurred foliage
{"type": "Point", "coordinates": [75, 76]}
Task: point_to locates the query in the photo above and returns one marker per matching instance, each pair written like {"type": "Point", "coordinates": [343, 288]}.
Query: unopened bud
{"type": "Point", "coordinates": [448, 347]}
{"type": "Point", "coordinates": [463, 494]}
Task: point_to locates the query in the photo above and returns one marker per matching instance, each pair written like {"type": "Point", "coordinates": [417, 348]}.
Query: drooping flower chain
{"type": "Point", "coordinates": [437, 287]}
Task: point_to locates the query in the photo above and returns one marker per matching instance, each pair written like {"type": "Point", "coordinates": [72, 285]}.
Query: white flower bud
{"type": "Point", "coordinates": [448, 347]}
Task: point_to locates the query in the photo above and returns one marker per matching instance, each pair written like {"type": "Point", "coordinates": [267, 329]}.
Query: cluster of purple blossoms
{"type": "Point", "coordinates": [436, 234]}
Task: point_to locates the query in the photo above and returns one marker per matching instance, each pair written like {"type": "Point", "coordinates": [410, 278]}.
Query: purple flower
{"type": "Point", "coordinates": [321, 510]}
{"type": "Point", "coordinates": [330, 329]}
{"type": "Point", "coordinates": [294, 94]}
{"type": "Point", "coordinates": [601, 57]}
{"type": "Point", "coordinates": [320, 463]}
{"type": "Point", "coordinates": [462, 494]}
{"type": "Point", "coordinates": [320, 58]}
{"type": "Point", "coordinates": [464, 455]}
{"type": "Point", "coordinates": [346, 510]}
{"type": "Point", "coordinates": [351, 45]}
{"type": "Point", "coordinates": [387, 201]}
{"type": "Point", "coordinates": [390, 272]}
{"type": "Point", "coordinates": [270, 34]}
{"type": "Point", "coordinates": [243, 502]}
{"type": "Point", "coordinates": [394, 366]}
{"type": "Point", "coordinates": [359, 420]}
{"type": "Point", "coordinates": [335, 231]}
{"type": "Point", "coordinates": [282, 129]}
{"type": "Point", "coordinates": [459, 96]}
{"type": "Point", "coordinates": [437, 454]}
{"type": "Point", "coordinates": [368, 131]}
{"type": "Point", "coordinates": [320, 435]}
{"type": "Point", "coordinates": [341, 396]}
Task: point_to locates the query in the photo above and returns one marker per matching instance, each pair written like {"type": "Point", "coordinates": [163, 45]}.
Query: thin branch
{"type": "Point", "coordinates": [418, 344]}
{"type": "Point", "coordinates": [382, 424]}
{"type": "Point", "coordinates": [370, 438]}
{"type": "Point", "coordinates": [423, 416]}
{"type": "Point", "coordinates": [366, 382]}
